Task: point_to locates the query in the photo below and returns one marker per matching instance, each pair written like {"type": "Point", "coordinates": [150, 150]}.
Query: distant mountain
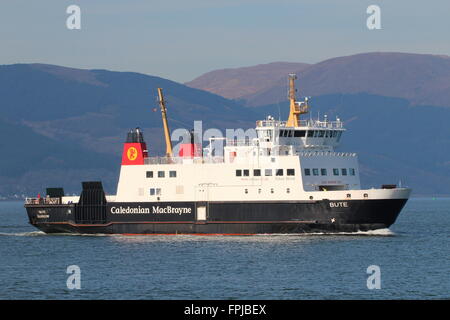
{"type": "Point", "coordinates": [235, 83]}
{"type": "Point", "coordinates": [64, 124]}
{"type": "Point", "coordinates": [422, 79]}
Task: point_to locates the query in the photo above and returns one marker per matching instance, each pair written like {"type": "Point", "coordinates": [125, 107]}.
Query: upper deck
{"type": "Point", "coordinates": [303, 124]}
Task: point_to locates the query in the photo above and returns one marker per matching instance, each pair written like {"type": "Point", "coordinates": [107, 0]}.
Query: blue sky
{"type": "Point", "coordinates": [180, 40]}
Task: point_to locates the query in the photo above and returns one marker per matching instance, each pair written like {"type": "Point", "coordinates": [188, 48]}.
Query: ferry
{"type": "Point", "coordinates": [288, 179]}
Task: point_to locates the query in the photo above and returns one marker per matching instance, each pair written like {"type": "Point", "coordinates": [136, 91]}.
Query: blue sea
{"type": "Point", "coordinates": [413, 258]}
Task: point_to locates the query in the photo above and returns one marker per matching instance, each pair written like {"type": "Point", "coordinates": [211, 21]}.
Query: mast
{"type": "Point", "coordinates": [296, 107]}
{"type": "Point", "coordinates": [162, 104]}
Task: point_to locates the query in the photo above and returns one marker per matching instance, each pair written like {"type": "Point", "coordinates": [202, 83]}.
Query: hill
{"type": "Point", "coordinates": [422, 79]}
{"type": "Point", "coordinates": [234, 83]}
{"type": "Point", "coordinates": [62, 125]}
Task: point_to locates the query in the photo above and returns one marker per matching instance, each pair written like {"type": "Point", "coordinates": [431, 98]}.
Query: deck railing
{"type": "Point", "coordinates": [42, 200]}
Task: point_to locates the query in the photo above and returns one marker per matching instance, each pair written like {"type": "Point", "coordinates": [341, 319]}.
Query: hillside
{"type": "Point", "coordinates": [234, 83]}
{"type": "Point", "coordinates": [61, 125]}
{"type": "Point", "coordinates": [422, 79]}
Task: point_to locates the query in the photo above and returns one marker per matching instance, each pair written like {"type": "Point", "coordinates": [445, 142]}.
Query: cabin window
{"type": "Point", "coordinates": [246, 173]}
{"type": "Point", "coordinates": [310, 133]}
{"type": "Point", "coordinates": [271, 190]}
{"type": "Point", "coordinates": [352, 171]}
{"type": "Point", "coordinates": [246, 191]}
{"type": "Point", "coordinates": [172, 174]}
{"type": "Point", "coordinates": [149, 174]}
{"type": "Point", "coordinates": [290, 172]}
{"type": "Point", "coordinates": [315, 172]}
{"type": "Point", "coordinates": [335, 172]}
{"type": "Point", "coordinates": [268, 172]}
{"type": "Point", "coordinates": [299, 133]}
{"type": "Point", "coordinates": [279, 172]}
{"type": "Point", "coordinates": [323, 172]}
{"type": "Point", "coordinates": [259, 190]}
{"type": "Point", "coordinates": [257, 172]}
{"type": "Point", "coordinates": [161, 174]}
{"type": "Point", "coordinates": [155, 191]}
{"type": "Point", "coordinates": [307, 172]}
{"type": "Point", "coordinates": [344, 171]}
{"type": "Point", "coordinates": [238, 173]}
{"type": "Point", "coordinates": [288, 190]}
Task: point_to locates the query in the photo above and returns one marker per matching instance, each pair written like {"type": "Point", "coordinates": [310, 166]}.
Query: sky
{"type": "Point", "coordinates": [180, 40]}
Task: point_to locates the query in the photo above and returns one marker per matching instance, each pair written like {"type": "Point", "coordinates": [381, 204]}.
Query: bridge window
{"type": "Point", "coordinates": [172, 174]}
{"type": "Point", "coordinates": [344, 171]}
{"type": "Point", "coordinates": [307, 172]}
{"type": "Point", "coordinates": [246, 173]}
{"type": "Point", "coordinates": [161, 174]}
{"type": "Point", "coordinates": [257, 172]}
{"type": "Point", "coordinates": [149, 174]}
{"type": "Point", "coordinates": [299, 133]}
{"type": "Point", "coordinates": [310, 133]}
{"type": "Point", "coordinates": [238, 173]}
{"type": "Point", "coordinates": [268, 172]}
{"type": "Point", "coordinates": [321, 134]}
{"type": "Point", "coordinates": [290, 172]}
{"type": "Point", "coordinates": [323, 172]}
{"type": "Point", "coordinates": [335, 172]}
{"type": "Point", "coordinates": [279, 172]}
{"type": "Point", "coordinates": [315, 172]}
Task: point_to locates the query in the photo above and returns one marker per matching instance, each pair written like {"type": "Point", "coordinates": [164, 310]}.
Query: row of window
{"type": "Point", "coordinates": [324, 172]}
{"type": "Point", "coordinates": [311, 133]}
{"type": "Point", "coordinates": [267, 172]}
{"type": "Point", "coordinates": [162, 174]}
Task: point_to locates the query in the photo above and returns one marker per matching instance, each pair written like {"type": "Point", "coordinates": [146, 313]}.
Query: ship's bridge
{"type": "Point", "coordinates": [309, 134]}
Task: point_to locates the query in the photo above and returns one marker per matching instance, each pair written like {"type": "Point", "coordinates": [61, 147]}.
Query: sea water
{"type": "Point", "coordinates": [412, 257]}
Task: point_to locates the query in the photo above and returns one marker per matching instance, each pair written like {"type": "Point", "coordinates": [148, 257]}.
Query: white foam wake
{"type": "Point", "coordinates": [23, 234]}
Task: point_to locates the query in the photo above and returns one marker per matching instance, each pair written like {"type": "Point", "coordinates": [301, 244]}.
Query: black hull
{"type": "Point", "coordinates": [232, 218]}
